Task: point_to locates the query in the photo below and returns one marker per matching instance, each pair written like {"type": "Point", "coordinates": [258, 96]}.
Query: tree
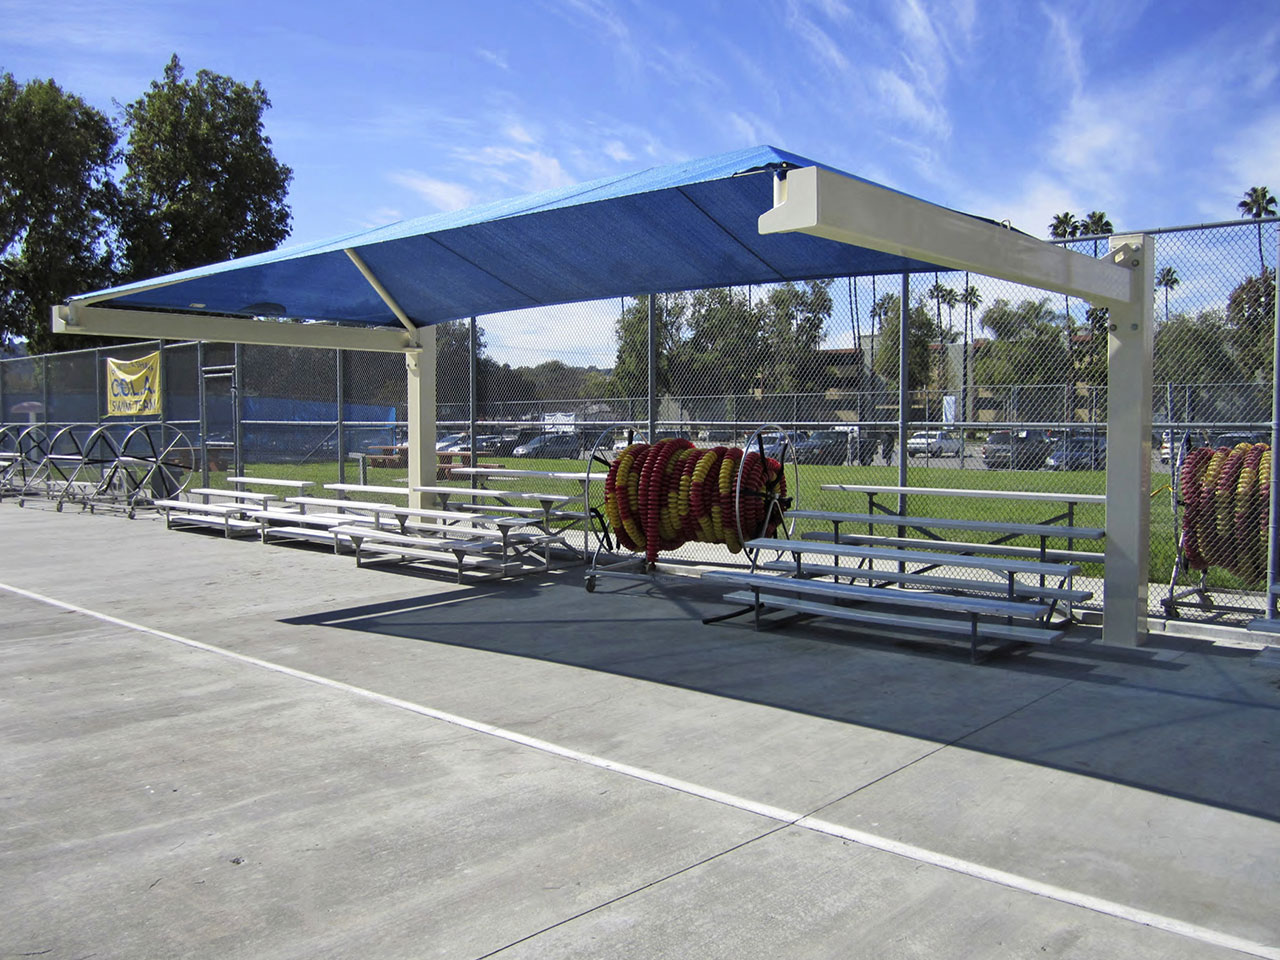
{"type": "Point", "coordinates": [1096, 224]}
{"type": "Point", "coordinates": [1194, 350]}
{"type": "Point", "coordinates": [971, 298]}
{"type": "Point", "coordinates": [1251, 311]}
{"type": "Point", "coordinates": [723, 345]}
{"type": "Point", "coordinates": [1258, 203]}
{"type": "Point", "coordinates": [1027, 348]}
{"type": "Point", "coordinates": [631, 369]}
{"type": "Point", "coordinates": [920, 330]}
{"type": "Point", "coordinates": [1168, 279]}
{"type": "Point", "coordinates": [57, 206]}
{"type": "Point", "coordinates": [792, 320]}
{"type": "Point", "coordinates": [201, 184]}
{"type": "Point", "coordinates": [1064, 226]}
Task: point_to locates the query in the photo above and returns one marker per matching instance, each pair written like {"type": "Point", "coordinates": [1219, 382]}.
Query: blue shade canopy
{"type": "Point", "coordinates": [679, 227]}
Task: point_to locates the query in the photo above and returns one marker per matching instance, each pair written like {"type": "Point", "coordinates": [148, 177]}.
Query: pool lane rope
{"type": "Point", "coordinates": [661, 496]}
{"type": "Point", "coordinates": [1226, 499]}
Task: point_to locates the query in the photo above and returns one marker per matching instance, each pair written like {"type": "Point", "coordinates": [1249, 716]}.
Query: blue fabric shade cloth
{"type": "Point", "coordinates": [679, 227]}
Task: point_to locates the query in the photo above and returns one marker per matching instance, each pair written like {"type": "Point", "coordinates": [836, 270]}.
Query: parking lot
{"type": "Point", "coordinates": [216, 748]}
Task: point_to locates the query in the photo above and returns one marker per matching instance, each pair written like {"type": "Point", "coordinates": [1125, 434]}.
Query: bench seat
{"type": "Point", "coordinates": [975, 606]}
{"type": "Point", "coordinates": [272, 482]}
{"type": "Point", "coordinates": [234, 494]}
{"type": "Point", "coordinates": [928, 580]}
{"type": "Point", "coordinates": [894, 622]}
{"type": "Point", "coordinates": [1053, 554]}
{"type": "Point", "coordinates": [984, 526]}
{"type": "Point", "coordinates": [1007, 565]}
{"type": "Point", "coordinates": [479, 552]}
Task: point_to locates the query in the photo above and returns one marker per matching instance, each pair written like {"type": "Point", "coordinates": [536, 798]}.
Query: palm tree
{"type": "Point", "coordinates": [970, 298]}
{"type": "Point", "coordinates": [1096, 224]}
{"type": "Point", "coordinates": [1064, 226]}
{"type": "Point", "coordinates": [1167, 278]}
{"type": "Point", "coordinates": [1258, 203]}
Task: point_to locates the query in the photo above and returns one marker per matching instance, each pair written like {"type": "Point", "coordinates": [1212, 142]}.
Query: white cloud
{"type": "Point", "coordinates": [527, 170]}
{"type": "Point", "coordinates": [495, 57]}
{"type": "Point", "coordinates": [441, 194]}
{"type": "Point", "coordinates": [617, 151]}
{"type": "Point", "coordinates": [904, 100]}
{"type": "Point", "coordinates": [518, 133]}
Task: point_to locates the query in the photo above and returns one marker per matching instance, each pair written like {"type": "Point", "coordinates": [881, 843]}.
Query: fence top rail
{"type": "Point", "coordinates": [961, 492]}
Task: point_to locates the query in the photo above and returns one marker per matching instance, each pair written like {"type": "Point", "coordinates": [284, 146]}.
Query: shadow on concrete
{"type": "Point", "coordinates": [1182, 718]}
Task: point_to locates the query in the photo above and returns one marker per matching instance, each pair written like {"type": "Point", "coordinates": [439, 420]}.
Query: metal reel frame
{"type": "Point", "coordinates": [785, 454]}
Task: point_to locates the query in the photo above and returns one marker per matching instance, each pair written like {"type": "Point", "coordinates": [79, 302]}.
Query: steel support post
{"type": "Point", "coordinates": [1273, 544]}
{"type": "Point", "coordinates": [473, 393]}
{"type": "Point", "coordinates": [653, 369]}
{"type": "Point", "coordinates": [340, 390]}
{"type": "Point", "coordinates": [421, 377]}
{"type": "Point", "coordinates": [904, 396]}
{"type": "Point", "coordinates": [202, 398]}
{"type": "Point", "coordinates": [1129, 357]}
{"type": "Point", "coordinates": [237, 410]}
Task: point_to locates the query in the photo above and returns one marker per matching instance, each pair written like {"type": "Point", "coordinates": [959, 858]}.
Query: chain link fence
{"type": "Point", "coordinates": [1006, 385]}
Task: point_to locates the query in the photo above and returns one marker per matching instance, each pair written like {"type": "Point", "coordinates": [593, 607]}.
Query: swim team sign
{"type": "Point", "coordinates": [133, 387]}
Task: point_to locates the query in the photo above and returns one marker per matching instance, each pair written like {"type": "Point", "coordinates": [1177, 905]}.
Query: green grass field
{"type": "Point", "coordinates": [812, 477]}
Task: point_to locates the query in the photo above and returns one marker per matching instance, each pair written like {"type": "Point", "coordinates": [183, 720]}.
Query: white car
{"type": "Point", "coordinates": [934, 443]}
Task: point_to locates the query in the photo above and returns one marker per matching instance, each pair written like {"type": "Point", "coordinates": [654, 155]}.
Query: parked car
{"type": "Point", "coordinates": [775, 442]}
{"type": "Point", "coordinates": [1230, 438]}
{"type": "Point", "coordinates": [1015, 450]}
{"type": "Point", "coordinates": [448, 441]}
{"type": "Point", "coordinates": [934, 443]}
{"type": "Point", "coordinates": [830, 447]}
{"type": "Point", "coordinates": [551, 446]}
{"type": "Point", "coordinates": [1078, 453]}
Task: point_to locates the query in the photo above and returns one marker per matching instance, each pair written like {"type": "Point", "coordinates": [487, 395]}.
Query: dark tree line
{"type": "Point", "coordinates": [195, 182]}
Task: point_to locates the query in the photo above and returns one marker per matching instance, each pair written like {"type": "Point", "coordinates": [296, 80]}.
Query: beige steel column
{"type": "Point", "coordinates": [1128, 523]}
{"type": "Point", "coordinates": [421, 370]}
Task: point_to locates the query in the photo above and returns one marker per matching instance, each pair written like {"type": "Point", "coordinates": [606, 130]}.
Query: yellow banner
{"type": "Point", "coordinates": [133, 387]}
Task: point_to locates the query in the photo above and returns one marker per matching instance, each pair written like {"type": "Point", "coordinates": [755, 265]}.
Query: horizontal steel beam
{"type": "Point", "coordinates": [826, 204]}
{"type": "Point", "coordinates": [151, 325]}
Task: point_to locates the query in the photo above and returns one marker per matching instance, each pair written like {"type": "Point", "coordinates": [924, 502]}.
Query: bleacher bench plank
{"type": "Point", "coordinates": [985, 526]}
{"type": "Point", "coordinates": [272, 482]}
{"type": "Point", "coordinates": [1051, 554]}
{"type": "Point", "coordinates": [899, 621]}
{"type": "Point", "coordinates": [1009, 565]}
{"type": "Point", "coordinates": [986, 606]}
{"type": "Point", "coordinates": [929, 580]}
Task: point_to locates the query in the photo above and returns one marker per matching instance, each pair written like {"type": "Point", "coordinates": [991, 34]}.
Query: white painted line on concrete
{"type": "Point", "coordinates": [909, 851]}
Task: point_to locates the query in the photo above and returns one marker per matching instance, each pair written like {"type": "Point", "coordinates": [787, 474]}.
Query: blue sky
{"type": "Point", "coordinates": [1158, 113]}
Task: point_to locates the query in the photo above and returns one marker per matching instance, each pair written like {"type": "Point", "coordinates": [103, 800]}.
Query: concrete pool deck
{"type": "Point", "coordinates": [215, 748]}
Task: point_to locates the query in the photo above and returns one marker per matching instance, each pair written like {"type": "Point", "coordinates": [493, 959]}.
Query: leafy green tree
{"type": "Point", "coordinates": [723, 345]}
{"type": "Point", "coordinates": [1251, 311]}
{"type": "Point", "coordinates": [201, 183]}
{"type": "Point", "coordinates": [792, 320]}
{"type": "Point", "coordinates": [920, 334]}
{"type": "Point", "coordinates": [1028, 347]}
{"type": "Point", "coordinates": [1258, 203]}
{"type": "Point", "coordinates": [631, 369]}
{"type": "Point", "coordinates": [1167, 279]}
{"type": "Point", "coordinates": [1194, 350]}
{"type": "Point", "coordinates": [57, 206]}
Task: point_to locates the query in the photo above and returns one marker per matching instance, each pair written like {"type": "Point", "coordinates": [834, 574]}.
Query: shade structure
{"type": "Point", "coordinates": [679, 227]}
